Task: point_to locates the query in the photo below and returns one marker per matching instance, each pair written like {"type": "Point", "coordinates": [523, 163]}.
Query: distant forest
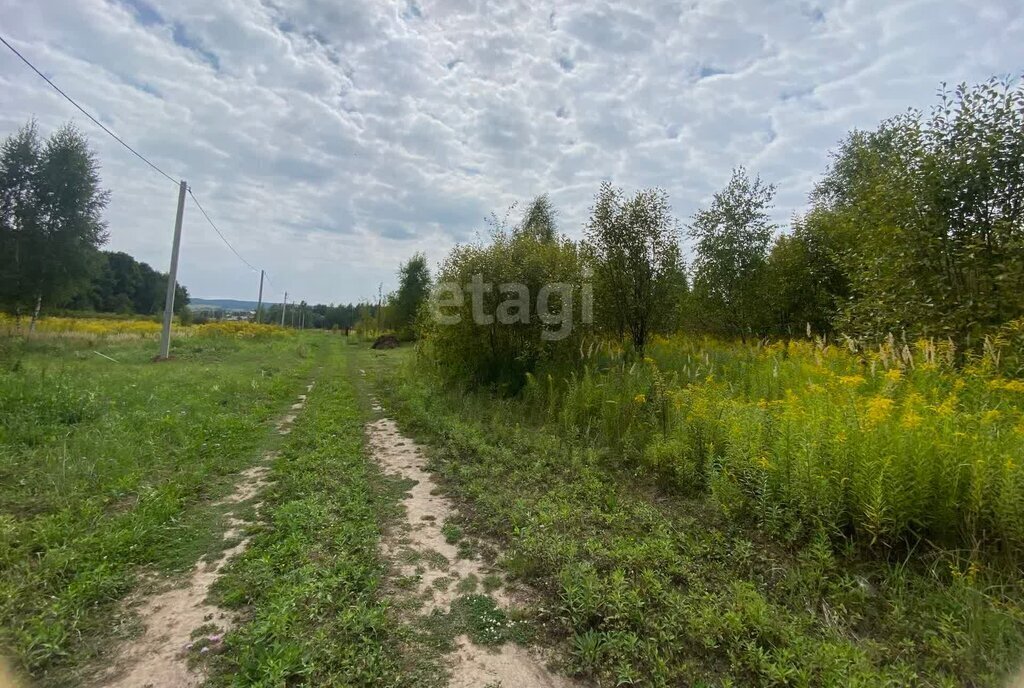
{"type": "Point", "coordinates": [121, 284]}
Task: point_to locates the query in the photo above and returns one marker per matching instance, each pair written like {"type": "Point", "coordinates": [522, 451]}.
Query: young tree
{"type": "Point", "coordinates": [732, 239]}
{"type": "Point", "coordinates": [52, 205]}
{"type": "Point", "coordinates": [413, 292]}
{"type": "Point", "coordinates": [539, 219]}
{"type": "Point", "coordinates": [805, 285]}
{"type": "Point", "coordinates": [639, 275]}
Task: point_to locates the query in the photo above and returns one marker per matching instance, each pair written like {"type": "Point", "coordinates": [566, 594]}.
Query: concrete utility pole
{"type": "Point", "coordinates": [259, 303]}
{"type": "Point", "coordinates": [172, 277]}
{"type": "Point", "coordinates": [284, 307]}
{"type": "Point", "coordinates": [380, 300]}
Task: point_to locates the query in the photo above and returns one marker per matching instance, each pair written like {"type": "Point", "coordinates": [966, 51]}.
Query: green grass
{"type": "Point", "coordinates": [108, 469]}
{"type": "Point", "coordinates": [641, 504]}
{"type": "Point", "coordinates": [650, 584]}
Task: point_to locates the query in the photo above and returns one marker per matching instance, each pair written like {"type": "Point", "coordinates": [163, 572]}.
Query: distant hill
{"type": "Point", "coordinates": [224, 304]}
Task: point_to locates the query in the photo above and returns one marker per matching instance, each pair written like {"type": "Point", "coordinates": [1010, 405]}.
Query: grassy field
{"type": "Point", "coordinates": [109, 468]}
{"type": "Point", "coordinates": [715, 514]}
{"type": "Point", "coordinates": [724, 514]}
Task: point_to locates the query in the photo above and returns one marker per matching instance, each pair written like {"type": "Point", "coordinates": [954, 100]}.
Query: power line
{"type": "Point", "coordinates": [71, 100]}
{"type": "Point", "coordinates": [222, 238]}
{"type": "Point", "coordinates": [134, 152]}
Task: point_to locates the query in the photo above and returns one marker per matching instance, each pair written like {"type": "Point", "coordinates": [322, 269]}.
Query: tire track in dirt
{"type": "Point", "coordinates": [159, 657]}
{"type": "Point", "coordinates": [419, 538]}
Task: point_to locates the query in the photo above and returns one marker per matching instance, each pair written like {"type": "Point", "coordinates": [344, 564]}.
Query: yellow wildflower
{"type": "Point", "coordinates": [1014, 385]}
{"type": "Point", "coordinates": [990, 416]}
{"type": "Point", "coordinates": [640, 398]}
{"type": "Point", "coordinates": [894, 375]}
{"type": "Point", "coordinates": [947, 407]}
{"type": "Point", "coordinates": [878, 409]}
{"type": "Point", "coordinates": [851, 380]}
{"type": "Point", "coordinates": [910, 420]}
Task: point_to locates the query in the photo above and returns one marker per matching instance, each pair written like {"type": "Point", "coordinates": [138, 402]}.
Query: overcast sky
{"type": "Point", "coordinates": [330, 139]}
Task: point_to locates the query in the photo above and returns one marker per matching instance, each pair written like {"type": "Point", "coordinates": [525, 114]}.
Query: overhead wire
{"type": "Point", "coordinates": [219, 233]}
{"type": "Point", "coordinates": [71, 100]}
{"type": "Point", "coordinates": [137, 154]}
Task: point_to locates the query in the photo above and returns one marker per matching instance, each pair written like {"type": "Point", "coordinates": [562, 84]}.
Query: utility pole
{"type": "Point", "coordinates": [302, 316]}
{"type": "Point", "coordinates": [172, 277]}
{"type": "Point", "coordinates": [284, 307]}
{"type": "Point", "coordinates": [259, 303]}
{"type": "Point", "coordinates": [380, 298]}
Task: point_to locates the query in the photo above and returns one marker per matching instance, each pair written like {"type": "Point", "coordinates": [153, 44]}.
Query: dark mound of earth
{"type": "Point", "coordinates": [386, 341]}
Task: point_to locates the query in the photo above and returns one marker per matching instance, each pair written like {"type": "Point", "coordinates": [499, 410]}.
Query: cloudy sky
{"type": "Point", "coordinates": [330, 139]}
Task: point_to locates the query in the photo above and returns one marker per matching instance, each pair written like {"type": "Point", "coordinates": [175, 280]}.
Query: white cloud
{"type": "Point", "coordinates": [331, 140]}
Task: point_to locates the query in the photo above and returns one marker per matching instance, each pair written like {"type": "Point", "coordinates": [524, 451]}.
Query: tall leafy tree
{"type": "Point", "coordinates": [52, 216]}
{"type": "Point", "coordinates": [933, 211]}
{"type": "Point", "coordinates": [21, 232]}
{"type": "Point", "coordinates": [732, 238]}
{"type": "Point", "coordinates": [413, 292]}
{"type": "Point", "coordinates": [639, 278]}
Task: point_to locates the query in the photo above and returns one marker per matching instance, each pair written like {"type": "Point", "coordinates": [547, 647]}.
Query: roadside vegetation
{"type": "Point", "coordinates": [794, 461]}
{"type": "Point", "coordinates": [746, 515]}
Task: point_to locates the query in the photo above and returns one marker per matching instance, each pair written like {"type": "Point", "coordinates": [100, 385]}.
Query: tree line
{"type": "Point", "coordinates": [52, 231]}
{"type": "Point", "coordinates": [398, 311]}
{"type": "Point", "coordinates": [916, 230]}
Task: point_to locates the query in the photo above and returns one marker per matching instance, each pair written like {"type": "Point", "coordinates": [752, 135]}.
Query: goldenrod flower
{"type": "Point", "coordinates": [878, 409]}
{"type": "Point", "coordinates": [947, 407]}
{"type": "Point", "coordinates": [910, 420]}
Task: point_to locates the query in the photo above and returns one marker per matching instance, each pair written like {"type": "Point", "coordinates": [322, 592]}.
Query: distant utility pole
{"type": "Point", "coordinates": [259, 303]}
{"type": "Point", "coordinates": [380, 297]}
{"type": "Point", "coordinates": [302, 317]}
{"type": "Point", "coordinates": [172, 277]}
{"type": "Point", "coordinates": [284, 307]}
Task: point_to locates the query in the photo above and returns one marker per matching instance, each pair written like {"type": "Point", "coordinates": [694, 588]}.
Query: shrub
{"type": "Point", "coordinates": [520, 333]}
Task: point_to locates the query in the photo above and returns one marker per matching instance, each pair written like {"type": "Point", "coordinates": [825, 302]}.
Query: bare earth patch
{"type": "Point", "coordinates": [419, 552]}
{"type": "Point", "coordinates": [159, 657]}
